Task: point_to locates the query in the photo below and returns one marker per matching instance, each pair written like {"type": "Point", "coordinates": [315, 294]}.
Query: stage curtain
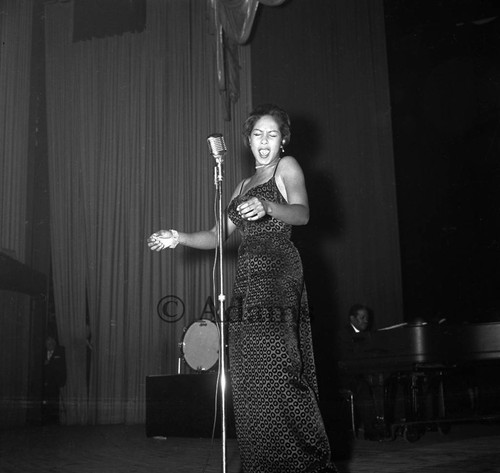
{"type": "Point", "coordinates": [128, 118]}
{"type": "Point", "coordinates": [15, 52]}
{"type": "Point", "coordinates": [365, 249]}
{"type": "Point", "coordinates": [15, 55]}
{"type": "Point", "coordinates": [342, 137]}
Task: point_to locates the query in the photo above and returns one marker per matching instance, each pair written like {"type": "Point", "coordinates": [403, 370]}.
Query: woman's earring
{"type": "Point", "coordinates": [282, 148]}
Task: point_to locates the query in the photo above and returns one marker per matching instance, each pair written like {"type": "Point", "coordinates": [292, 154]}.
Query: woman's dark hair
{"type": "Point", "coordinates": [274, 111]}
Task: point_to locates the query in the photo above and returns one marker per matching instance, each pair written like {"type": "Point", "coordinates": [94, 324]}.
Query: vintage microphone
{"type": "Point", "coordinates": [216, 145]}
{"type": "Point", "coordinates": [218, 149]}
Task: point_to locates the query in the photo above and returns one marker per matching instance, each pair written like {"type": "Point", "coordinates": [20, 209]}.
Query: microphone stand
{"type": "Point", "coordinates": [218, 177]}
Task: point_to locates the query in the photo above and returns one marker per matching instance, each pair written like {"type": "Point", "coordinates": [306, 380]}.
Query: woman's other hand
{"type": "Point", "coordinates": [252, 209]}
{"type": "Point", "coordinates": [163, 239]}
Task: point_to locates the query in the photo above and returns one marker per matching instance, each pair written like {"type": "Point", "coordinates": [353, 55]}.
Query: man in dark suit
{"type": "Point", "coordinates": [352, 341]}
{"type": "Point", "coordinates": [54, 378]}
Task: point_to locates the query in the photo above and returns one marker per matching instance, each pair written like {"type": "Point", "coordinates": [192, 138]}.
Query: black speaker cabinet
{"type": "Point", "coordinates": [183, 405]}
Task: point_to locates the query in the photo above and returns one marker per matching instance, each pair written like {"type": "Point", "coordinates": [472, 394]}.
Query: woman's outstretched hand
{"type": "Point", "coordinates": [163, 239]}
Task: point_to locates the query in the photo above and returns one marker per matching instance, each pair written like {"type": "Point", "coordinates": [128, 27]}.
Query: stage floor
{"type": "Point", "coordinates": [471, 448]}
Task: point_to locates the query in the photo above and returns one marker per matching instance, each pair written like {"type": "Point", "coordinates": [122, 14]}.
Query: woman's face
{"type": "Point", "coordinates": [265, 140]}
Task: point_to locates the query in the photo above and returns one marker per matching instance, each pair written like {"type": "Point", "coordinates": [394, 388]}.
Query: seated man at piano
{"type": "Point", "coordinates": [352, 340]}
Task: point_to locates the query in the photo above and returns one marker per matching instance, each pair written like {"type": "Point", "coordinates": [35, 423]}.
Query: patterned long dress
{"type": "Point", "coordinates": [271, 364]}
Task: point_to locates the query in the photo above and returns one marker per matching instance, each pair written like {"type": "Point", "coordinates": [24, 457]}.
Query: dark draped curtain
{"type": "Point", "coordinates": [128, 117]}
{"type": "Point", "coordinates": [336, 88]}
{"type": "Point", "coordinates": [15, 53]}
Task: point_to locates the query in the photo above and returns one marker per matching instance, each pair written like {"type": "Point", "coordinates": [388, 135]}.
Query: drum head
{"type": "Point", "coordinates": [200, 345]}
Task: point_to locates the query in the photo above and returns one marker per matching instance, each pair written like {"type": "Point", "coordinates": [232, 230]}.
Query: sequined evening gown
{"type": "Point", "coordinates": [271, 364]}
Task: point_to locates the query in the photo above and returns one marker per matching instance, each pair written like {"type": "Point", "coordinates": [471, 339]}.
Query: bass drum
{"type": "Point", "coordinates": [200, 345]}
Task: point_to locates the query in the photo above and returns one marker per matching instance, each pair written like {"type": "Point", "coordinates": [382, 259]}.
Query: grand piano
{"type": "Point", "coordinates": [418, 360]}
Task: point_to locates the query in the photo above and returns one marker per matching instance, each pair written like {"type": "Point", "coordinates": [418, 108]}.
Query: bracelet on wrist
{"type": "Point", "coordinates": [175, 238]}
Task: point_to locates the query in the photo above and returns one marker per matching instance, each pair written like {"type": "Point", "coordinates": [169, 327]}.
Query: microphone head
{"type": "Point", "coordinates": [216, 145]}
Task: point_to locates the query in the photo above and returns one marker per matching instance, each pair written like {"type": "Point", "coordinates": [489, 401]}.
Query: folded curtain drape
{"type": "Point", "coordinates": [15, 55]}
{"type": "Point", "coordinates": [128, 118]}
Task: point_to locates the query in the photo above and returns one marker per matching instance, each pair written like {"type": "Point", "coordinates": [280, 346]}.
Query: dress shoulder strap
{"type": "Point", "coordinates": [241, 187]}
{"type": "Point", "coordinates": [276, 168]}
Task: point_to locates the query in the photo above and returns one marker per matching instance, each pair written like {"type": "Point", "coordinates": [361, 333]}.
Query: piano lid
{"type": "Point", "coordinates": [408, 344]}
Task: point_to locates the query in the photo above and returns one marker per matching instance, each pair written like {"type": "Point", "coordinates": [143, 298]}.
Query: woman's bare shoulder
{"type": "Point", "coordinates": [288, 164]}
